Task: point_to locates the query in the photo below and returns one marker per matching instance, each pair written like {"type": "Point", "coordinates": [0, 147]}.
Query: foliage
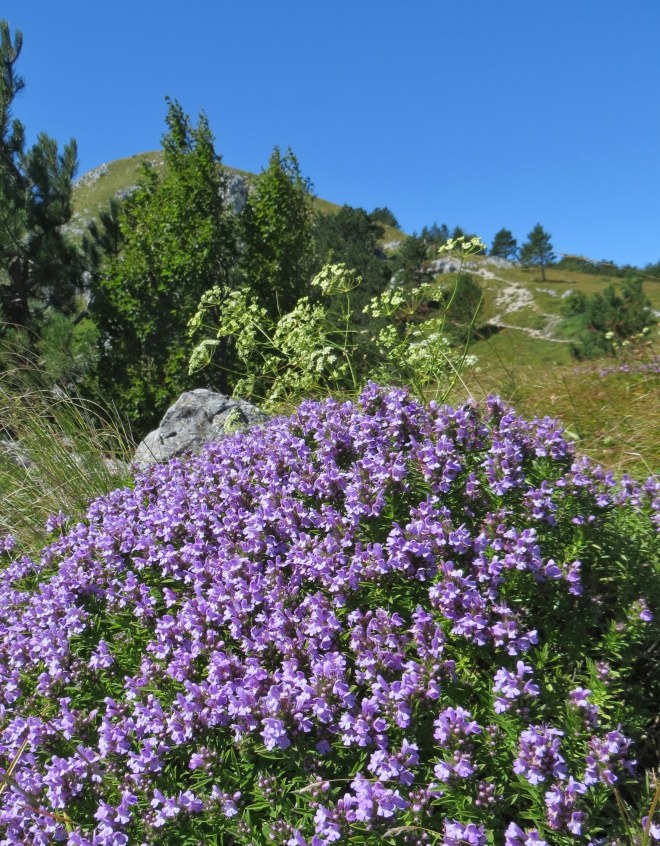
{"type": "Point", "coordinates": [40, 269]}
{"type": "Point", "coordinates": [651, 270]}
{"type": "Point", "coordinates": [436, 235]}
{"type": "Point", "coordinates": [351, 237]}
{"type": "Point", "coordinates": [319, 348]}
{"type": "Point", "coordinates": [385, 216]}
{"type": "Point", "coordinates": [609, 319]}
{"type": "Point", "coordinates": [504, 245]}
{"type": "Point", "coordinates": [463, 302]}
{"type": "Point", "coordinates": [103, 238]}
{"type": "Point", "coordinates": [177, 242]}
{"type": "Point", "coordinates": [584, 265]}
{"type": "Point", "coordinates": [537, 251]}
{"type": "Point", "coordinates": [574, 304]}
{"type": "Point", "coordinates": [366, 623]}
{"type": "Point", "coordinates": [276, 234]}
{"type": "Point", "coordinates": [409, 261]}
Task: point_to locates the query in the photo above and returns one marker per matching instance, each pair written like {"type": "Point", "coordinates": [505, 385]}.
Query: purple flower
{"type": "Point", "coordinates": [561, 801]}
{"type": "Point", "coordinates": [607, 757]}
{"type": "Point", "coordinates": [338, 588]}
{"type": "Point", "coordinates": [643, 611]}
{"type": "Point", "coordinates": [515, 836]}
{"type": "Point", "coordinates": [458, 834]}
{"type": "Point", "coordinates": [654, 828]}
{"type": "Point", "coordinates": [538, 754]}
{"type": "Point", "coordinates": [512, 686]}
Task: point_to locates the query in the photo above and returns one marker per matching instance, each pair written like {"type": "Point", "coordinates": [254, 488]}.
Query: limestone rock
{"type": "Point", "coordinates": [195, 419]}
{"type": "Point", "coordinates": [236, 192]}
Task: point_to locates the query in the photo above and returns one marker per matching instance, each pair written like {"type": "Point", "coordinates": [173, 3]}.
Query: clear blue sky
{"type": "Point", "coordinates": [478, 113]}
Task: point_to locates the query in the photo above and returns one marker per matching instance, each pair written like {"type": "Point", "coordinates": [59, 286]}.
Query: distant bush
{"type": "Point", "coordinates": [583, 265]}
{"type": "Point", "coordinates": [371, 622]}
{"type": "Point", "coordinates": [576, 303]}
{"type": "Point", "coordinates": [384, 215]}
{"type": "Point", "coordinates": [608, 319]}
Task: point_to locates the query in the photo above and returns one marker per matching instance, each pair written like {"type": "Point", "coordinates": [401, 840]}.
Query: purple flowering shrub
{"type": "Point", "coordinates": [371, 622]}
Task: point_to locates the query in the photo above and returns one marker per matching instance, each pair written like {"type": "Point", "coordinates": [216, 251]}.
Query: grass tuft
{"type": "Point", "coordinates": [57, 452]}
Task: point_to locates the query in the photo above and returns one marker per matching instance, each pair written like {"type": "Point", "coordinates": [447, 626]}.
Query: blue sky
{"type": "Point", "coordinates": [478, 113]}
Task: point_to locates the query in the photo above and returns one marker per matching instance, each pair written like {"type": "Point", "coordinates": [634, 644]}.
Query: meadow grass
{"type": "Point", "coordinates": [611, 413]}
{"type": "Point", "coordinates": [71, 450]}
{"type": "Point", "coordinates": [57, 452]}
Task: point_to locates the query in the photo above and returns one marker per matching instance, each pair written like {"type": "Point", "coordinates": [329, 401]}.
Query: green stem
{"type": "Point", "coordinates": [652, 810]}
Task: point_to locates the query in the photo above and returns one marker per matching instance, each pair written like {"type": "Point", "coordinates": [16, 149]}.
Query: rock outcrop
{"type": "Point", "coordinates": [196, 418]}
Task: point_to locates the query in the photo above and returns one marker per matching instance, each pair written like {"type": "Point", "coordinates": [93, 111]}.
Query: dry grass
{"type": "Point", "coordinates": [57, 452]}
{"type": "Point", "coordinates": [612, 414]}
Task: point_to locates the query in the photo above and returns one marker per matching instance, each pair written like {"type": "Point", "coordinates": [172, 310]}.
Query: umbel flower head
{"type": "Point", "coordinates": [332, 626]}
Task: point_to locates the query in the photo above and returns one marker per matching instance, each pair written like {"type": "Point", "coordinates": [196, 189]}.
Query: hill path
{"type": "Point", "coordinates": [514, 297]}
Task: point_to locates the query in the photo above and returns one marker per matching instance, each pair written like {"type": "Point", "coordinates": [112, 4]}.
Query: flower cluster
{"type": "Point", "coordinates": [342, 622]}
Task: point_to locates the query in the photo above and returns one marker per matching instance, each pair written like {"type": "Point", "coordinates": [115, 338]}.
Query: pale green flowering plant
{"type": "Point", "coordinates": [463, 246]}
{"type": "Point", "coordinates": [319, 348]}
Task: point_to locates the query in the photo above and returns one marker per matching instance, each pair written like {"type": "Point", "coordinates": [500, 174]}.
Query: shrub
{"type": "Point", "coordinates": [371, 622]}
{"type": "Point", "coordinates": [611, 318]}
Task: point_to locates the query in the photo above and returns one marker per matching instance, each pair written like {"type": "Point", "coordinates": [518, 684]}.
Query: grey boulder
{"type": "Point", "coordinates": [194, 420]}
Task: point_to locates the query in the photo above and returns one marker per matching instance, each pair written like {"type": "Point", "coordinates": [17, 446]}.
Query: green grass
{"type": "Point", "coordinates": [511, 347]}
{"type": "Point", "coordinates": [92, 195]}
{"type": "Point", "coordinates": [527, 318]}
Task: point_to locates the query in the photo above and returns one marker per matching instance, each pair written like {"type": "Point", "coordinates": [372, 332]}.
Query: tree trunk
{"type": "Point", "coordinates": [14, 297]}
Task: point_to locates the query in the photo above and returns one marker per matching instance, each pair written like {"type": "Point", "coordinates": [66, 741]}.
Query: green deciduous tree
{"type": "Point", "coordinates": [504, 245]}
{"type": "Point", "coordinates": [40, 269]}
{"type": "Point", "coordinates": [537, 251]}
{"type": "Point", "coordinates": [276, 234]}
{"type": "Point", "coordinates": [178, 241]}
{"type": "Point", "coordinates": [103, 238]}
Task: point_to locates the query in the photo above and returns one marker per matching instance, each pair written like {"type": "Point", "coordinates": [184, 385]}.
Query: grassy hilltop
{"type": "Point", "coordinates": [94, 189]}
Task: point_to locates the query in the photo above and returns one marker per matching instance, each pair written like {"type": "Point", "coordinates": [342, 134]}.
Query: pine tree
{"type": "Point", "coordinates": [276, 232]}
{"type": "Point", "coordinates": [176, 241]}
{"type": "Point", "coordinates": [352, 236]}
{"type": "Point", "coordinates": [385, 216]}
{"type": "Point", "coordinates": [537, 251]}
{"type": "Point", "coordinates": [40, 269]}
{"type": "Point", "coordinates": [504, 245]}
{"type": "Point", "coordinates": [409, 261]}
